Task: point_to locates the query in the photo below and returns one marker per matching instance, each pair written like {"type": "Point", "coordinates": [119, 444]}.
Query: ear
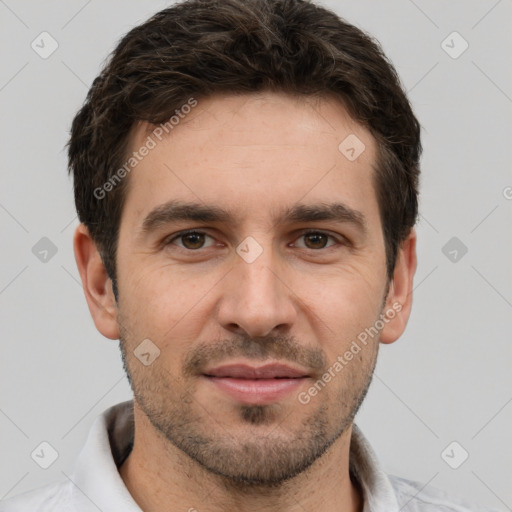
{"type": "Point", "coordinates": [399, 299]}
{"type": "Point", "coordinates": [96, 284]}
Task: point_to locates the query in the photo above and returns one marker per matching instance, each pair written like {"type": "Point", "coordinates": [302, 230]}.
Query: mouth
{"type": "Point", "coordinates": [256, 385]}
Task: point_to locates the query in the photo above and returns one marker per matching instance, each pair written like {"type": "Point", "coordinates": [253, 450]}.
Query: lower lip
{"type": "Point", "coordinates": [256, 391]}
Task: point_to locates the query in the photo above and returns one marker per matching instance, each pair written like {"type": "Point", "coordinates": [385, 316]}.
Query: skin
{"type": "Point", "coordinates": [302, 301]}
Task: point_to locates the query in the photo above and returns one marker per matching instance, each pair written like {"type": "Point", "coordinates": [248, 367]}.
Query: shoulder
{"type": "Point", "coordinates": [415, 497]}
{"type": "Point", "coordinates": [53, 497]}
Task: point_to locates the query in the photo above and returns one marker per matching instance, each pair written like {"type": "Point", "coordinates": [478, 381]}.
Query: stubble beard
{"type": "Point", "coordinates": [253, 459]}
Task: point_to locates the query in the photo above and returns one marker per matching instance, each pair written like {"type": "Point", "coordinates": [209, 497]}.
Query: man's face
{"type": "Point", "coordinates": [250, 287]}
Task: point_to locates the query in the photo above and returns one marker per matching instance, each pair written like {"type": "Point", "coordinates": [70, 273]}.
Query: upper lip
{"type": "Point", "coordinates": [244, 371]}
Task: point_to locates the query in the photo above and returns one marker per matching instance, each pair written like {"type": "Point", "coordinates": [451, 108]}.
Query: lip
{"type": "Point", "coordinates": [256, 385]}
{"type": "Point", "coordinates": [267, 371]}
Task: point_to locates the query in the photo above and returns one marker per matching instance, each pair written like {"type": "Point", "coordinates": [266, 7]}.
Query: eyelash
{"type": "Point", "coordinates": [340, 241]}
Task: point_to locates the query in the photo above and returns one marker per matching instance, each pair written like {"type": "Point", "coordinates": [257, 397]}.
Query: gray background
{"type": "Point", "coordinates": [448, 378]}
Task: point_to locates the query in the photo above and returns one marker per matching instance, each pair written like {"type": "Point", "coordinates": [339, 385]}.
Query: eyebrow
{"type": "Point", "coordinates": [174, 211]}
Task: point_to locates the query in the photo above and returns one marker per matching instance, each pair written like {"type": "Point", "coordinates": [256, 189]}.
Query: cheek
{"type": "Point", "coordinates": [344, 308]}
{"type": "Point", "coordinates": [355, 287]}
{"type": "Point", "coordinates": [166, 305]}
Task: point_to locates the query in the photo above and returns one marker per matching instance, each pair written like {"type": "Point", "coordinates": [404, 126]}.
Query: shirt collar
{"type": "Point", "coordinates": [378, 493]}
{"type": "Point", "coordinates": [96, 473]}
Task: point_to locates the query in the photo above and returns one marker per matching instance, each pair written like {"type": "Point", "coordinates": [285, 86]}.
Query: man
{"type": "Point", "coordinates": [246, 177]}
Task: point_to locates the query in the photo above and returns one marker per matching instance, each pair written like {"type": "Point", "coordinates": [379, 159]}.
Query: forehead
{"type": "Point", "coordinates": [253, 154]}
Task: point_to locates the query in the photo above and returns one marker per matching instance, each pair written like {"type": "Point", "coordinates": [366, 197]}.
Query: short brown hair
{"type": "Point", "coordinates": [197, 48]}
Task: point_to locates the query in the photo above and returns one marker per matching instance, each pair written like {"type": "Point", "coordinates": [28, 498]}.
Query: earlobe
{"type": "Point", "coordinates": [399, 300]}
{"type": "Point", "coordinates": [96, 283]}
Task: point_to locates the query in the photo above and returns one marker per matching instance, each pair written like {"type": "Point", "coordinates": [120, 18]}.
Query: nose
{"type": "Point", "coordinates": [256, 298]}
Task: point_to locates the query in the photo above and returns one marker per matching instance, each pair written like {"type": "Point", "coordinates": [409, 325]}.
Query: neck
{"type": "Point", "coordinates": [162, 478]}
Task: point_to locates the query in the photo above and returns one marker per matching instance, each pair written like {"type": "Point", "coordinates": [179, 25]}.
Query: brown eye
{"type": "Point", "coordinates": [192, 240]}
{"type": "Point", "coordinates": [316, 240]}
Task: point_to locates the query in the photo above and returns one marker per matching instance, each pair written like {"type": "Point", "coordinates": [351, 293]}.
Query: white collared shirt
{"type": "Point", "coordinates": [96, 485]}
